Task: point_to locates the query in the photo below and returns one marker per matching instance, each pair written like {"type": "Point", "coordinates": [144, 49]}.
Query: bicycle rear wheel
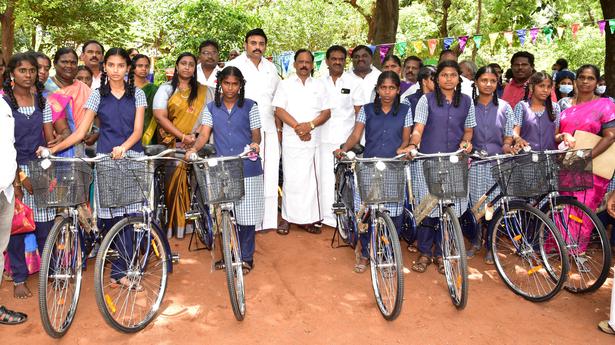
{"type": "Point", "coordinates": [231, 251]}
{"type": "Point", "coordinates": [386, 267]}
{"type": "Point", "coordinates": [60, 278]}
{"type": "Point", "coordinates": [346, 219]}
{"type": "Point", "coordinates": [588, 247]}
{"type": "Point", "coordinates": [454, 256]}
{"type": "Point", "coordinates": [529, 253]}
{"type": "Point", "coordinates": [131, 274]}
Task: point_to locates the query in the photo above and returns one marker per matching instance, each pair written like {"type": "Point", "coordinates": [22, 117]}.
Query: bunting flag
{"type": "Point", "coordinates": [508, 35]}
{"type": "Point", "coordinates": [384, 50]}
{"type": "Point", "coordinates": [575, 29]}
{"type": "Point", "coordinates": [521, 35]}
{"type": "Point", "coordinates": [560, 32]}
{"type": "Point", "coordinates": [492, 38]}
{"type": "Point", "coordinates": [548, 31]}
{"type": "Point", "coordinates": [463, 40]}
{"type": "Point", "coordinates": [372, 48]}
{"type": "Point", "coordinates": [285, 62]}
{"type": "Point", "coordinates": [400, 47]}
{"type": "Point", "coordinates": [448, 42]}
{"type": "Point", "coordinates": [418, 46]}
{"type": "Point", "coordinates": [612, 25]}
{"type": "Point", "coordinates": [534, 34]}
{"type": "Point", "coordinates": [602, 25]}
{"type": "Point", "coordinates": [477, 40]}
{"type": "Point", "coordinates": [319, 57]}
{"type": "Point", "coordinates": [432, 43]}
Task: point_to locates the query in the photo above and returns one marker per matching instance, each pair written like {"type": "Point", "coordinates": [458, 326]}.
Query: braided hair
{"type": "Point", "coordinates": [105, 88]}
{"type": "Point", "coordinates": [426, 72]}
{"type": "Point", "coordinates": [394, 77]}
{"type": "Point", "coordinates": [536, 79]}
{"type": "Point", "coordinates": [194, 86]}
{"type": "Point", "coordinates": [483, 70]}
{"type": "Point", "coordinates": [230, 71]}
{"type": "Point", "coordinates": [14, 62]}
{"type": "Point", "coordinates": [457, 95]}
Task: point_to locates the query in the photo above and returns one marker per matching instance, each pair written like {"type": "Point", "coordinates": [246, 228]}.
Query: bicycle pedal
{"type": "Point", "coordinates": [339, 208]}
{"type": "Point", "coordinates": [192, 215]}
{"type": "Point", "coordinates": [175, 258]}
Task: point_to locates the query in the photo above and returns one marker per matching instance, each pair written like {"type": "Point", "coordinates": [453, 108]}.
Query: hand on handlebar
{"type": "Point", "coordinates": [118, 152]}
{"type": "Point", "coordinates": [465, 146]}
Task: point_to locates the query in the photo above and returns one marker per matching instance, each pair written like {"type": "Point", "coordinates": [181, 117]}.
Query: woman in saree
{"type": "Point", "coordinates": [140, 67]}
{"type": "Point", "coordinates": [177, 109]}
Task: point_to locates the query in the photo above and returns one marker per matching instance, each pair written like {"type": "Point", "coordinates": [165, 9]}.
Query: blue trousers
{"type": "Point", "coordinates": [17, 250]}
{"type": "Point", "coordinates": [123, 244]}
{"type": "Point", "coordinates": [247, 234]}
{"type": "Point", "coordinates": [364, 237]}
{"type": "Point", "coordinates": [429, 238]}
{"type": "Point", "coordinates": [606, 219]}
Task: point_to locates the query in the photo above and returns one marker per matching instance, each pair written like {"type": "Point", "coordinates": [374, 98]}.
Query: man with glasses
{"type": "Point", "coordinates": [207, 69]}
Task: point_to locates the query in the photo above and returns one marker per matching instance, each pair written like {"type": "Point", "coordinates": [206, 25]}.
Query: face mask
{"type": "Point", "coordinates": [601, 89]}
{"type": "Point", "coordinates": [566, 89]}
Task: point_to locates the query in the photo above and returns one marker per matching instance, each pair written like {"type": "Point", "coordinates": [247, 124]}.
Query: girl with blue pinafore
{"type": "Point", "coordinates": [33, 128]}
{"type": "Point", "coordinates": [387, 124]}
{"type": "Point", "coordinates": [443, 123]}
{"type": "Point", "coordinates": [120, 108]}
{"type": "Point", "coordinates": [235, 124]}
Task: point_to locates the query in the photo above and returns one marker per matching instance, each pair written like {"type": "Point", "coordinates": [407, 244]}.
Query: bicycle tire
{"type": "Point", "coordinates": [455, 260]}
{"type": "Point", "coordinates": [156, 261]}
{"type": "Point", "coordinates": [231, 250]}
{"type": "Point", "coordinates": [539, 251]}
{"type": "Point", "coordinates": [203, 226]}
{"type": "Point", "coordinates": [599, 262]}
{"type": "Point", "coordinates": [61, 231]}
{"type": "Point", "coordinates": [384, 244]}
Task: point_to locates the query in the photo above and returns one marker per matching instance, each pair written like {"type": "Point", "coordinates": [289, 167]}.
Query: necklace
{"type": "Point", "coordinates": [57, 81]}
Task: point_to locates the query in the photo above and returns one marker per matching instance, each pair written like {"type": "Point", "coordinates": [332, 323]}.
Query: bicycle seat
{"type": "Point", "coordinates": [152, 150]}
{"type": "Point", "coordinates": [207, 151]}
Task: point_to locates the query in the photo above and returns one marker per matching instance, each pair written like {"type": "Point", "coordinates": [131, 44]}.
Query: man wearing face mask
{"type": "Point", "coordinates": [364, 72]}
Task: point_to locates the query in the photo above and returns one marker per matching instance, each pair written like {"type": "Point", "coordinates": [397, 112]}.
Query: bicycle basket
{"type": "Point", "coordinates": [447, 179]}
{"type": "Point", "coordinates": [63, 184]}
{"type": "Point", "coordinates": [222, 182]}
{"type": "Point", "coordinates": [570, 171]}
{"type": "Point", "coordinates": [123, 182]}
{"type": "Point", "coordinates": [522, 176]}
{"type": "Point", "coordinates": [381, 182]}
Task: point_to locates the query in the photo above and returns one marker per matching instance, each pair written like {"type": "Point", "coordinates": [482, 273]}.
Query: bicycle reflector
{"type": "Point", "coordinates": [212, 162]}
{"type": "Point", "coordinates": [380, 166]}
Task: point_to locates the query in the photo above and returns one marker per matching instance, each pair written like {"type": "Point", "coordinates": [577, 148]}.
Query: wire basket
{"type": "Point", "coordinates": [222, 182]}
{"type": "Point", "coordinates": [380, 181]}
{"type": "Point", "coordinates": [570, 171]}
{"type": "Point", "coordinates": [447, 177]}
{"type": "Point", "coordinates": [123, 182]}
{"type": "Point", "coordinates": [63, 184]}
{"type": "Point", "coordinates": [522, 176]}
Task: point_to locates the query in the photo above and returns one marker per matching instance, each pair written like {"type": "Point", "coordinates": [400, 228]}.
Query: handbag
{"type": "Point", "coordinates": [23, 219]}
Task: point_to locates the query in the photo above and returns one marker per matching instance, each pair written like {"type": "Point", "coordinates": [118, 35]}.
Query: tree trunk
{"type": "Point", "coordinates": [386, 18]}
{"type": "Point", "coordinates": [608, 11]}
{"type": "Point", "coordinates": [446, 4]}
{"type": "Point", "coordinates": [7, 21]}
{"type": "Point", "coordinates": [479, 10]}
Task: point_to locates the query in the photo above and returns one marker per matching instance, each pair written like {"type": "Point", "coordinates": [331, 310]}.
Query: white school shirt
{"type": "Point", "coordinates": [343, 95]}
{"type": "Point", "coordinates": [261, 85]}
{"type": "Point", "coordinates": [96, 81]}
{"type": "Point", "coordinates": [8, 154]}
{"type": "Point", "coordinates": [368, 84]}
{"type": "Point", "coordinates": [466, 86]}
{"type": "Point", "coordinates": [303, 102]}
{"type": "Point", "coordinates": [211, 81]}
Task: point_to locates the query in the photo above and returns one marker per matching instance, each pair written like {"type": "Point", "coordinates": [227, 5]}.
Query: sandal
{"type": "Point", "coordinates": [489, 258]}
{"type": "Point", "coordinates": [10, 317]}
{"type": "Point", "coordinates": [361, 265]}
{"type": "Point", "coordinates": [219, 265]}
{"type": "Point", "coordinates": [247, 267]}
{"type": "Point", "coordinates": [421, 264]}
{"type": "Point", "coordinates": [312, 229]}
{"type": "Point", "coordinates": [605, 327]}
{"type": "Point", "coordinates": [440, 262]}
{"type": "Point", "coordinates": [283, 228]}
{"type": "Point", "coordinates": [413, 249]}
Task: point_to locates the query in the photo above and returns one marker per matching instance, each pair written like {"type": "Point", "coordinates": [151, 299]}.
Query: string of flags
{"type": "Point", "coordinates": [401, 48]}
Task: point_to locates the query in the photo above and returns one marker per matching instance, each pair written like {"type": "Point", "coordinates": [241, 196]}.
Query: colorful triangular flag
{"type": "Point", "coordinates": [534, 34]}
{"type": "Point", "coordinates": [521, 35]}
{"type": "Point", "coordinates": [508, 35]}
{"type": "Point", "coordinates": [463, 40]}
{"type": "Point", "coordinates": [448, 42]}
{"type": "Point", "coordinates": [601, 26]}
{"type": "Point", "coordinates": [560, 32]}
{"type": "Point", "coordinates": [432, 43]}
{"type": "Point", "coordinates": [477, 40]}
{"type": "Point", "coordinates": [492, 38]}
{"type": "Point", "coordinates": [400, 47]}
{"type": "Point", "coordinates": [418, 46]}
{"type": "Point", "coordinates": [548, 31]}
{"type": "Point", "coordinates": [384, 50]}
{"type": "Point", "coordinates": [575, 29]}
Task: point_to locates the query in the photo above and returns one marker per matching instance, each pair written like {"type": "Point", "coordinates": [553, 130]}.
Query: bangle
{"type": "Point", "coordinates": [183, 137]}
{"type": "Point", "coordinates": [312, 125]}
{"type": "Point", "coordinates": [280, 130]}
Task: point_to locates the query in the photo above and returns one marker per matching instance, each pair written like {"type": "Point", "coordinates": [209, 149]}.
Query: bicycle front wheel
{"type": "Point", "coordinates": [588, 247]}
{"type": "Point", "coordinates": [231, 251]}
{"type": "Point", "coordinates": [455, 260]}
{"type": "Point", "coordinates": [529, 253]}
{"type": "Point", "coordinates": [131, 274]}
{"type": "Point", "coordinates": [386, 267]}
{"type": "Point", "coordinates": [60, 278]}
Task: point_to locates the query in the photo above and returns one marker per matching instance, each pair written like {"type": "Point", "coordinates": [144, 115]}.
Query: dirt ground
{"type": "Point", "coordinates": [304, 292]}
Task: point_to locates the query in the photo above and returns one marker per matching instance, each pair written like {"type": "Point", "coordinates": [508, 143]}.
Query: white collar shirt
{"type": "Point", "coordinates": [95, 81]}
{"type": "Point", "coordinates": [211, 81]}
{"type": "Point", "coordinates": [304, 102]}
{"type": "Point", "coordinates": [344, 95]}
{"type": "Point", "coordinates": [466, 86]}
{"type": "Point", "coordinates": [368, 84]}
{"type": "Point", "coordinates": [8, 154]}
{"type": "Point", "coordinates": [261, 84]}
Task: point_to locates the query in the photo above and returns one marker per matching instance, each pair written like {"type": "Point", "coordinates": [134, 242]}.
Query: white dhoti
{"type": "Point", "coordinates": [326, 188]}
{"type": "Point", "coordinates": [300, 204]}
{"type": "Point", "coordinates": [270, 154]}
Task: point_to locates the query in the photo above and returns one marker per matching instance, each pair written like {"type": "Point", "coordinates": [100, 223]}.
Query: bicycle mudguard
{"type": "Point", "coordinates": [469, 225]}
{"type": "Point", "coordinates": [163, 236]}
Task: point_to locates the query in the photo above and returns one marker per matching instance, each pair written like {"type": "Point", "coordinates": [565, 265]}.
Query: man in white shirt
{"type": "Point", "coordinates": [346, 98]}
{"type": "Point", "coordinates": [8, 157]}
{"type": "Point", "coordinates": [302, 105]}
{"type": "Point", "coordinates": [364, 71]}
{"type": "Point", "coordinates": [207, 69]}
{"type": "Point", "coordinates": [261, 83]}
{"type": "Point", "coordinates": [92, 55]}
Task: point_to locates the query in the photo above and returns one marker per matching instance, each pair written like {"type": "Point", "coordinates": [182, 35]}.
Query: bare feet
{"type": "Point", "coordinates": [21, 291]}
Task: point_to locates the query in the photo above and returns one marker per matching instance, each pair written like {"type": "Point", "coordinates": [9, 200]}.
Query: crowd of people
{"type": "Point", "coordinates": [109, 104]}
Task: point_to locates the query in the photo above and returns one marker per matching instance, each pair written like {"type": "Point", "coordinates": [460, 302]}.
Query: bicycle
{"type": "Point", "coordinates": [529, 252]}
{"type": "Point", "coordinates": [344, 204]}
{"type": "Point", "coordinates": [379, 183]}
{"type": "Point", "coordinates": [584, 235]}
{"type": "Point", "coordinates": [446, 176]}
{"type": "Point", "coordinates": [221, 184]}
